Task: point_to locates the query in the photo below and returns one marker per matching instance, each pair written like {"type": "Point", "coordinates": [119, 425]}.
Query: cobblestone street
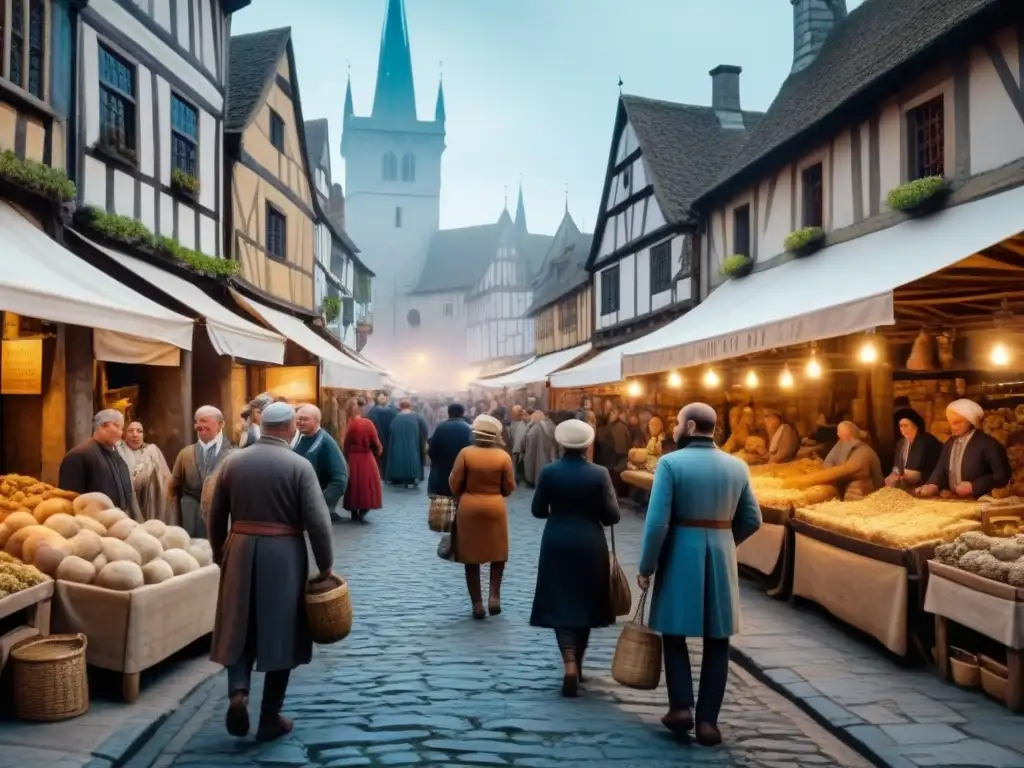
{"type": "Point", "coordinates": [420, 683]}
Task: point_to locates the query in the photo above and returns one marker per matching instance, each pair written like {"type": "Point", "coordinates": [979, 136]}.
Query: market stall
{"type": "Point", "coordinates": [977, 583]}
{"type": "Point", "coordinates": [138, 592]}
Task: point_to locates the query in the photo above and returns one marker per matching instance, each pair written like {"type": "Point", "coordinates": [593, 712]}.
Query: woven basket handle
{"type": "Point", "coordinates": [641, 606]}
{"type": "Point", "coordinates": [611, 529]}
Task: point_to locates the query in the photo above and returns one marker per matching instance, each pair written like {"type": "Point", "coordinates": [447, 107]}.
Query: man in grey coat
{"type": "Point", "coordinates": [271, 497]}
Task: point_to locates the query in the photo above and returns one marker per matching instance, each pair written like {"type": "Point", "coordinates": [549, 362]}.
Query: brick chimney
{"type": "Point", "coordinates": [725, 95]}
{"type": "Point", "coordinates": [813, 21]}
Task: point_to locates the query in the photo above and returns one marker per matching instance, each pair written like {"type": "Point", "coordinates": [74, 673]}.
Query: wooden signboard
{"type": "Point", "coordinates": [21, 372]}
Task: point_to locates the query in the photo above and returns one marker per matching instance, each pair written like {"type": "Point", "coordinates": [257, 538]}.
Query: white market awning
{"type": "Point", "coordinates": [846, 288]}
{"type": "Point", "coordinates": [508, 369]}
{"type": "Point", "coordinates": [40, 278]}
{"type": "Point", "coordinates": [338, 370]}
{"type": "Point", "coordinates": [538, 370]}
{"type": "Point", "coordinates": [603, 368]}
{"type": "Point", "coordinates": [230, 334]}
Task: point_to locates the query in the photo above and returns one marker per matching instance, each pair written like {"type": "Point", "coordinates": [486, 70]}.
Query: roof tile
{"type": "Point", "coordinates": [252, 62]}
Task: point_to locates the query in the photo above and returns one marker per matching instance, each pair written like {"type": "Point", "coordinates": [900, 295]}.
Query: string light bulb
{"type": "Point", "coordinates": [813, 368]}
{"type": "Point", "coordinates": [751, 381]}
{"type": "Point", "coordinates": [633, 389]}
{"type": "Point", "coordinates": [868, 353]}
{"type": "Point", "coordinates": [1000, 355]}
{"type": "Point", "coordinates": [675, 380]}
{"type": "Point", "coordinates": [711, 379]}
{"type": "Point", "coordinates": [786, 379]}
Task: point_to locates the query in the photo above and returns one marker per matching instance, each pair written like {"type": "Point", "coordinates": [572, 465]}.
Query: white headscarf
{"type": "Point", "coordinates": [969, 409]}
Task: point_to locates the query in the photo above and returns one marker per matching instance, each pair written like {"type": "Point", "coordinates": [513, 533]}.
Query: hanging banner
{"type": "Point", "coordinates": [21, 367]}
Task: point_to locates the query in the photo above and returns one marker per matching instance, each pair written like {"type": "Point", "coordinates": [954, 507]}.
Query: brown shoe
{"type": "Point", "coordinates": [494, 606]}
{"type": "Point", "coordinates": [274, 727]}
{"type": "Point", "coordinates": [570, 681]}
{"type": "Point", "coordinates": [237, 718]}
{"type": "Point", "coordinates": [708, 735]}
{"type": "Point", "coordinates": [679, 721]}
{"type": "Point", "coordinates": [478, 611]}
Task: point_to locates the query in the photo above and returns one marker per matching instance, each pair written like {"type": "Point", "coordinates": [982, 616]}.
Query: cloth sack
{"type": "Point", "coordinates": [622, 595]}
{"type": "Point", "coordinates": [440, 513]}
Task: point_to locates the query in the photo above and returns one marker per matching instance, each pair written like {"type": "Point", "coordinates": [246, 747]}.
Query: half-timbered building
{"type": "Point", "coordinates": [271, 221]}
{"type": "Point", "coordinates": [561, 311]}
{"type": "Point", "coordinates": [150, 106]}
{"type": "Point", "coordinates": [662, 155]}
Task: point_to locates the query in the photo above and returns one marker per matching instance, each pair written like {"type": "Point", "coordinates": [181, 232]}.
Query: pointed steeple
{"type": "Point", "coordinates": [521, 210]}
{"type": "Point", "coordinates": [439, 113]}
{"type": "Point", "coordinates": [349, 109]}
{"type": "Point", "coordinates": [395, 97]}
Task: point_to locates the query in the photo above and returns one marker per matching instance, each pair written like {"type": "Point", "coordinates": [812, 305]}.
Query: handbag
{"type": "Point", "coordinates": [446, 546]}
{"type": "Point", "coordinates": [637, 660]}
{"type": "Point", "coordinates": [621, 594]}
{"type": "Point", "coordinates": [440, 513]}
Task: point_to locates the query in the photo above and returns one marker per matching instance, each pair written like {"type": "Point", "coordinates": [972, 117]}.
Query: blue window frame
{"type": "Point", "coordinates": [36, 46]}
{"type": "Point", "coordinates": [184, 136]}
{"type": "Point", "coordinates": [277, 232]}
{"type": "Point", "coordinates": [117, 100]}
{"type": "Point", "coordinates": [276, 131]}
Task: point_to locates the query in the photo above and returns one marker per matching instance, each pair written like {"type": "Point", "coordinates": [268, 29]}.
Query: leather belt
{"type": "Point", "coordinates": [721, 525]}
{"type": "Point", "coordinates": [255, 528]}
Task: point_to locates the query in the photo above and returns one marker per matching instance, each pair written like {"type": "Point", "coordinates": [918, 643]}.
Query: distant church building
{"type": "Point", "coordinates": [448, 304]}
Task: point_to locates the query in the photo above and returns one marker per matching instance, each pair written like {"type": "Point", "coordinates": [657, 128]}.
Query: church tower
{"type": "Point", "coordinates": [392, 179]}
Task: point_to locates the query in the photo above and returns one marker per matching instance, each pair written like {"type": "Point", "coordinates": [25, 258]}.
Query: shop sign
{"type": "Point", "coordinates": [22, 367]}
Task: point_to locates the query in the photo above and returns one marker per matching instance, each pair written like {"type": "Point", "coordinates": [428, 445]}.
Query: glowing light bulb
{"type": "Point", "coordinates": [1000, 355]}
{"type": "Point", "coordinates": [868, 353]}
{"type": "Point", "coordinates": [813, 369]}
{"type": "Point", "coordinates": [633, 389]}
{"type": "Point", "coordinates": [786, 379]}
{"type": "Point", "coordinates": [675, 380]}
{"type": "Point", "coordinates": [711, 379]}
{"type": "Point", "coordinates": [751, 380]}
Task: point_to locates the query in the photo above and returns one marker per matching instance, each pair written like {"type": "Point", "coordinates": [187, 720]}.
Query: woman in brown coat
{"type": "Point", "coordinates": [481, 479]}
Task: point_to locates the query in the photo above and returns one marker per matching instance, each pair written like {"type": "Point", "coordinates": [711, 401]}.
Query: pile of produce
{"type": "Point", "coordinates": [894, 518]}
{"type": "Point", "coordinates": [988, 556]}
{"type": "Point", "coordinates": [89, 541]}
{"type": "Point", "coordinates": [15, 576]}
{"type": "Point", "coordinates": [797, 468]}
{"type": "Point", "coordinates": [769, 482]}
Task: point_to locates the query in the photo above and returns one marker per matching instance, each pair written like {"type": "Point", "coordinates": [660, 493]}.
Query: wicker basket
{"type": "Point", "coordinates": [50, 681]}
{"type": "Point", "coordinates": [329, 610]}
{"type": "Point", "coordinates": [637, 659]}
{"type": "Point", "coordinates": [440, 514]}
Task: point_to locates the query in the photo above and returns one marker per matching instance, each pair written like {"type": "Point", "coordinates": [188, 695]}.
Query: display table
{"type": "Point", "coordinates": [765, 552]}
{"type": "Point", "coordinates": [129, 632]}
{"type": "Point", "coordinates": [639, 478]}
{"type": "Point", "coordinates": [988, 607]}
{"type": "Point", "coordinates": [35, 601]}
{"type": "Point", "coordinates": [878, 590]}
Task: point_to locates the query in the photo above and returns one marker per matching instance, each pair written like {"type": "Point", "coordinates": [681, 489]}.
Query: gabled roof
{"type": "Point", "coordinates": [251, 68]}
{"type": "Point", "coordinates": [318, 143]}
{"type": "Point", "coordinates": [870, 51]}
{"type": "Point", "coordinates": [458, 258]}
{"type": "Point", "coordinates": [565, 266]}
{"type": "Point", "coordinates": [684, 148]}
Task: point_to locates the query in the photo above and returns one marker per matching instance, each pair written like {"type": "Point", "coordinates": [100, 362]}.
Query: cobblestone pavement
{"type": "Point", "coordinates": [420, 683]}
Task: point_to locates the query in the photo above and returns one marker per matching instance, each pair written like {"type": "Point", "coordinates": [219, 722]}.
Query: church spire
{"type": "Point", "coordinates": [521, 210]}
{"type": "Point", "coordinates": [395, 96]}
{"type": "Point", "coordinates": [349, 110]}
{"type": "Point", "coordinates": [439, 113]}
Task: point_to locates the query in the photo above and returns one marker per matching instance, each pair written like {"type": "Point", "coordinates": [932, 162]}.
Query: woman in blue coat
{"type": "Point", "coordinates": [701, 508]}
{"type": "Point", "coordinates": [573, 593]}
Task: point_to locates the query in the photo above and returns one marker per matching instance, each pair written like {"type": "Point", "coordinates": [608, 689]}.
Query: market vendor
{"type": "Point", "coordinates": [852, 466]}
{"type": "Point", "coordinates": [972, 464]}
{"type": "Point", "coordinates": [917, 452]}
{"type": "Point", "coordinates": [783, 441]}
{"type": "Point", "coordinates": [646, 459]}
{"type": "Point", "coordinates": [741, 431]}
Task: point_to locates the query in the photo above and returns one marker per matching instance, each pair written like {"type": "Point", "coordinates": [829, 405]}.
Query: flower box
{"type": "Point", "coordinates": [737, 265]}
{"type": "Point", "coordinates": [920, 197]}
{"type": "Point", "coordinates": [185, 184]}
{"type": "Point", "coordinates": [804, 242]}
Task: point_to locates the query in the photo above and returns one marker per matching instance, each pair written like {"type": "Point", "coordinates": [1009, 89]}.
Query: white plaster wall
{"type": "Point", "coordinates": [890, 154]}
{"type": "Point", "coordinates": [842, 181]}
{"type": "Point", "coordinates": [997, 131]}
{"type": "Point", "coordinates": [643, 282]}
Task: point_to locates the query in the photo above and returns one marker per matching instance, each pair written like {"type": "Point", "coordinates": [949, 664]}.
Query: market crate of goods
{"type": "Point", "coordinates": [977, 581]}
{"type": "Point", "coordinates": [865, 561]}
{"type": "Point", "coordinates": [139, 591]}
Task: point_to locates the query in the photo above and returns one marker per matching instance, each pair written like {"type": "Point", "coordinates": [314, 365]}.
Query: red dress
{"type": "Point", "coordinates": [361, 448]}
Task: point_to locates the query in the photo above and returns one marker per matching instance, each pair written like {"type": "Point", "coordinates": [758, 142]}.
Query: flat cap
{"type": "Point", "coordinates": [277, 414]}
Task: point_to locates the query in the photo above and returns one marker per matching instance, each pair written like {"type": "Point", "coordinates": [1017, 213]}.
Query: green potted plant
{"type": "Point", "coordinates": [112, 143]}
{"type": "Point", "coordinates": [40, 178]}
{"type": "Point", "coordinates": [805, 241]}
{"type": "Point", "coordinates": [184, 183]}
{"type": "Point", "coordinates": [331, 308]}
{"type": "Point", "coordinates": [920, 197]}
{"type": "Point", "coordinates": [737, 265]}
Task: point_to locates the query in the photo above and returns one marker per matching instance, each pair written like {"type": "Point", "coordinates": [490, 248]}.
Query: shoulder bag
{"type": "Point", "coordinates": [621, 594]}
{"type": "Point", "coordinates": [446, 546]}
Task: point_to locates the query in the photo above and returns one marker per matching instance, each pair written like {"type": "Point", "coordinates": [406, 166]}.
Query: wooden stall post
{"type": "Point", "coordinates": [80, 372]}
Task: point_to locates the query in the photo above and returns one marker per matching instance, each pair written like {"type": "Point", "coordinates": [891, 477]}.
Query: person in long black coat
{"type": "Point", "coordinates": [382, 415]}
{"type": "Point", "coordinates": [573, 593]}
{"type": "Point", "coordinates": [449, 437]}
